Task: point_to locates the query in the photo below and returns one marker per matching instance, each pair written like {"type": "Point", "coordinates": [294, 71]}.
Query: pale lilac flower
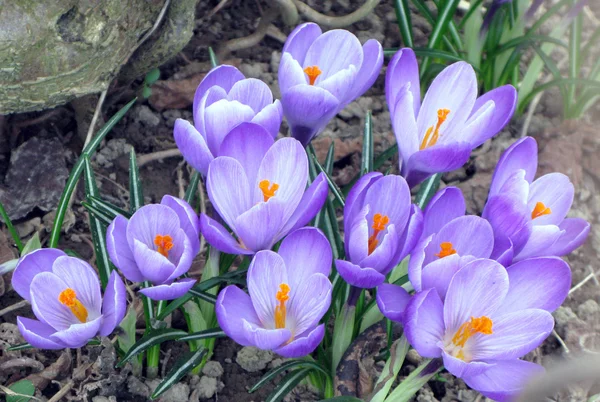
{"type": "Point", "coordinates": [320, 73]}
{"type": "Point", "coordinates": [65, 296]}
{"type": "Point", "coordinates": [289, 294]}
{"type": "Point", "coordinates": [223, 100]}
{"type": "Point", "coordinates": [157, 244]}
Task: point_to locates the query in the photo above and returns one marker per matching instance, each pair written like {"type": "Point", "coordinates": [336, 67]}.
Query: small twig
{"type": "Point", "coordinates": [14, 307]}
{"type": "Point", "coordinates": [337, 22]}
{"type": "Point", "coordinates": [163, 370]}
{"type": "Point", "coordinates": [530, 112]}
{"type": "Point", "coordinates": [180, 179]}
{"type": "Point", "coordinates": [90, 132]}
{"type": "Point", "coordinates": [561, 341]}
{"type": "Point", "coordinates": [63, 391]}
{"type": "Point", "coordinates": [580, 284]}
{"type": "Point", "coordinates": [147, 158]}
{"type": "Point", "coordinates": [22, 362]}
{"type": "Point", "coordinates": [275, 33]}
{"type": "Point", "coordinates": [250, 40]}
{"type": "Point", "coordinates": [594, 275]}
{"type": "Point", "coordinates": [288, 10]}
{"type": "Point", "coordinates": [216, 9]}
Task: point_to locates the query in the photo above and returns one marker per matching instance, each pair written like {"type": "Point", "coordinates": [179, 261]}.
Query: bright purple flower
{"type": "Point", "coordinates": [381, 227]}
{"type": "Point", "coordinates": [65, 296]}
{"type": "Point", "coordinates": [485, 317]}
{"type": "Point", "coordinates": [439, 134]}
{"type": "Point", "coordinates": [320, 73]}
{"type": "Point", "coordinates": [157, 244]}
{"type": "Point", "coordinates": [528, 213]}
{"type": "Point", "coordinates": [223, 100]}
{"type": "Point", "coordinates": [289, 294]}
{"type": "Point", "coordinates": [258, 187]}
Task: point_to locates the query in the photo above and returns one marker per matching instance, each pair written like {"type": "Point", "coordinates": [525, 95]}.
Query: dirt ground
{"type": "Point", "coordinates": [48, 143]}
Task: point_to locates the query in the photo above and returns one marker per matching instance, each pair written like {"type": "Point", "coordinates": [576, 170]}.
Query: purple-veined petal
{"type": "Point", "coordinates": [114, 304]}
{"type": "Point", "coordinates": [405, 126]}
{"type": "Point", "coordinates": [505, 101]}
{"type": "Point", "coordinates": [369, 70]}
{"type": "Point", "coordinates": [81, 277]}
{"type": "Point", "coordinates": [556, 191]}
{"type": "Point", "coordinates": [445, 205]}
{"type": "Point", "coordinates": [223, 76]}
{"type": "Point", "coordinates": [412, 233]}
{"type": "Point", "coordinates": [78, 334]}
{"type": "Point", "coordinates": [503, 251]}
{"type": "Point", "coordinates": [438, 274]}
{"type": "Point", "coordinates": [460, 368]}
{"type": "Point", "coordinates": [341, 84]}
{"type": "Point", "coordinates": [220, 118]}
{"type": "Point", "coordinates": [308, 302]}
{"type": "Point", "coordinates": [30, 265]}
{"type": "Point", "coordinates": [305, 252]}
{"type": "Point", "coordinates": [119, 249]}
{"type": "Point", "coordinates": [390, 196]}
{"type": "Point", "coordinates": [392, 301]}
{"type": "Point", "coordinates": [424, 323]}
{"type": "Point", "coordinates": [304, 344]}
{"type": "Point", "coordinates": [184, 260]}
{"type": "Point", "coordinates": [233, 306]}
{"type": "Point", "coordinates": [403, 69]}
{"type": "Point", "coordinates": [510, 218]}
{"type": "Point", "coordinates": [188, 219]}
{"type": "Point", "coordinates": [258, 227]}
{"type": "Point", "coordinates": [520, 155]}
{"type": "Point", "coordinates": [213, 95]}
{"type": "Point", "coordinates": [290, 73]}
{"type": "Point", "coordinates": [358, 276]}
{"type": "Point", "coordinates": [192, 145]}
{"type": "Point", "coordinates": [415, 263]}
{"type": "Point", "coordinates": [150, 221]}
{"type": "Point", "coordinates": [436, 159]}
{"type": "Point", "coordinates": [265, 275]}
{"type": "Point", "coordinates": [266, 339]}
{"type": "Point", "coordinates": [169, 292]}
{"type": "Point", "coordinates": [300, 40]}
{"type": "Point", "coordinates": [218, 237]}
{"type": "Point", "coordinates": [251, 92]}
{"type": "Point", "coordinates": [357, 235]}
{"type": "Point", "coordinates": [333, 51]}
{"type": "Point", "coordinates": [356, 197]}
{"type": "Point", "coordinates": [154, 266]}
{"type": "Point", "coordinates": [45, 289]}
{"type": "Point", "coordinates": [385, 256]}
{"type": "Point", "coordinates": [575, 230]}
{"type": "Point", "coordinates": [540, 242]}
{"type": "Point", "coordinates": [38, 334]}
{"type": "Point", "coordinates": [270, 118]}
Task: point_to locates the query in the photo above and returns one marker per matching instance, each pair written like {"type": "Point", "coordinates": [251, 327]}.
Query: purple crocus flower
{"type": "Point", "coordinates": [320, 73]}
{"type": "Point", "coordinates": [439, 134]}
{"type": "Point", "coordinates": [258, 187]}
{"type": "Point", "coordinates": [157, 244]}
{"type": "Point", "coordinates": [65, 296]}
{"type": "Point", "coordinates": [381, 227]}
{"type": "Point", "coordinates": [289, 294]}
{"type": "Point", "coordinates": [223, 100]}
{"type": "Point", "coordinates": [530, 214]}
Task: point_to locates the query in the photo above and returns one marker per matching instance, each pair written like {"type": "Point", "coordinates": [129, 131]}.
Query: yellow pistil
{"type": "Point", "coordinates": [68, 297]}
{"type": "Point", "coordinates": [313, 72]}
{"type": "Point", "coordinates": [481, 325]}
{"type": "Point", "coordinates": [379, 223]}
{"type": "Point", "coordinates": [539, 210]}
{"type": "Point", "coordinates": [282, 296]}
{"type": "Point", "coordinates": [164, 244]}
{"type": "Point", "coordinates": [268, 190]}
{"type": "Point", "coordinates": [430, 140]}
{"type": "Point", "coordinates": [446, 250]}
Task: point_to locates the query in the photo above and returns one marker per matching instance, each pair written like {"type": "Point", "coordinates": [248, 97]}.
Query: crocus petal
{"type": "Point", "coordinates": [476, 290]}
{"type": "Point", "coordinates": [304, 344]}
{"type": "Point", "coordinates": [505, 101]}
{"type": "Point", "coordinates": [308, 303]}
{"type": "Point", "coordinates": [312, 201]}
{"type": "Point", "coordinates": [154, 266]}
{"type": "Point", "coordinates": [357, 235]}
{"type": "Point", "coordinates": [505, 379]}
{"type": "Point", "coordinates": [340, 84]}
{"type": "Point", "coordinates": [38, 334]}
{"type": "Point", "coordinates": [149, 221]}
{"type": "Point", "coordinates": [405, 126]}
{"type": "Point", "coordinates": [436, 159]}
{"type": "Point", "coordinates": [220, 118]}
{"type": "Point", "coordinates": [188, 219]}
{"type": "Point", "coordinates": [224, 76]}
{"type": "Point", "coordinates": [251, 92]}
{"type": "Point", "coordinates": [392, 301]}
{"type": "Point", "coordinates": [266, 273]}
{"type": "Point", "coordinates": [510, 218]}
{"type": "Point", "coordinates": [460, 368]}
{"type": "Point", "coordinates": [192, 145]}
{"type": "Point", "coordinates": [233, 306]}
{"type": "Point", "coordinates": [81, 277]}
{"type": "Point", "coordinates": [77, 335]}
{"type": "Point", "coordinates": [539, 283]}
{"type": "Point", "coordinates": [412, 233]}
{"type": "Point", "coordinates": [415, 263]}
{"type": "Point", "coordinates": [575, 230]}
{"type": "Point", "coordinates": [218, 237]}
{"type": "Point", "coordinates": [233, 199]}
{"type": "Point", "coordinates": [503, 251]}
{"type": "Point", "coordinates": [445, 205]}
{"type": "Point", "coordinates": [369, 70]}
{"type": "Point", "coordinates": [308, 109]}
{"type": "Point", "coordinates": [402, 70]}
{"type": "Point", "coordinates": [30, 265]}
{"type": "Point", "coordinates": [270, 118]}
{"type": "Point", "coordinates": [290, 73]}
{"type": "Point", "coordinates": [358, 276]}
{"type": "Point", "coordinates": [45, 289]}
{"type": "Point", "coordinates": [385, 256]}
{"type": "Point", "coordinates": [514, 335]}
{"type": "Point", "coordinates": [396, 207]}
{"type": "Point", "coordinates": [540, 242]}
{"type": "Point", "coordinates": [266, 339]}
{"type": "Point", "coordinates": [114, 304]}
{"type": "Point", "coordinates": [356, 197]}
{"type": "Point", "coordinates": [438, 274]}
{"type": "Point", "coordinates": [333, 51]}
{"type": "Point", "coordinates": [305, 252]}
{"type": "Point", "coordinates": [520, 155]}
{"type": "Point", "coordinates": [119, 250]}
{"type": "Point", "coordinates": [169, 292]}
{"type": "Point", "coordinates": [556, 191]}
{"type": "Point", "coordinates": [258, 227]}
{"type": "Point", "coordinates": [300, 40]}
{"type": "Point", "coordinates": [424, 323]}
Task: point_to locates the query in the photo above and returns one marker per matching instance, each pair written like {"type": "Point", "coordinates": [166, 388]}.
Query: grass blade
{"type": "Point", "coordinates": [287, 384]}
{"type": "Point", "coordinates": [367, 150]}
{"type": "Point", "coordinates": [13, 232]}
{"type": "Point", "coordinates": [108, 208]}
{"type": "Point", "coordinates": [404, 21]}
{"type": "Point", "coordinates": [427, 190]}
{"type": "Point", "coordinates": [182, 366]}
{"type": "Point", "coordinates": [337, 193]}
{"type": "Point", "coordinates": [190, 193]}
{"type": "Point", "coordinates": [209, 333]}
{"type": "Point", "coordinates": [213, 57]}
{"type": "Point", "coordinates": [445, 15]}
{"type": "Point", "coordinates": [136, 193]}
{"type": "Point", "coordinates": [150, 339]}
{"type": "Point", "coordinates": [289, 365]}
{"type": "Point", "coordinates": [207, 297]}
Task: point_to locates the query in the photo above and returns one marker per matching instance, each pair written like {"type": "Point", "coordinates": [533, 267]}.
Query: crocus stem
{"type": "Point", "coordinates": [343, 329]}
{"type": "Point", "coordinates": [415, 381]}
{"type": "Point", "coordinates": [153, 354]}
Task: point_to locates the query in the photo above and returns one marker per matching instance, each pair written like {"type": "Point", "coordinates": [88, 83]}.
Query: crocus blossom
{"type": "Point", "coordinates": [157, 244]}
{"type": "Point", "coordinates": [528, 213]}
{"type": "Point", "coordinates": [258, 187]}
{"type": "Point", "coordinates": [289, 292]}
{"type": "Point", "coordinates": [438, 135]}
{"type": "Point", "coordinates": [320, 73]}
{"type": "Point", "coordinates": [485, 317]}
{"type": "Point", "coordinates": [381, 227]}
{"type": "Point", "coordinates": [223, 100]}
{"type": "Point", "coordinates": [65, 296]}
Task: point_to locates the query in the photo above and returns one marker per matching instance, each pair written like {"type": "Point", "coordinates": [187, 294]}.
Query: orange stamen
{"type": "Point", "coordinates": [313, 72]}
{"type": "Point", "coordinates": [282, 296]}
{"type": "Point", "coordinates": [539, 210]}
{"type": "Point", "coordinates": [430, 140]}
{"type": "Point", "coordinates": [164, 244]}
{"type": "Point", "coordinates": [379, 223]}
{"type": "Point", "coordinates": [268, 189]}
{"type": "Point", "coordinates": [482, 325]}
{"type": "Point", "coordinates": [446, 250]}
{"type": "Point", "coordinates": [68, 297]}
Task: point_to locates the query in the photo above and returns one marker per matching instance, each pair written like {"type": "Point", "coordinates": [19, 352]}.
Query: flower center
{"type": "Point", "coordinates": [540, 210]}
{"type": "Point", "coordinates": [68, 297]}
{"type": "Point", "coordinates": [379, 223]}
{"type": "Point", "coordinates": [313, 72]}
{"type": "Point", "coordinates": [446, 250]}
{"type": "Point", "coordinates": [430, 140]}
{"type": "Point", "coordinates": [268, 190]}
{"type": "Point", "coordinates": [164, 244]}
{"type": "Point", "coordinates": [282, 296]}
{"type": "Point", "coordinates": [481, 325]}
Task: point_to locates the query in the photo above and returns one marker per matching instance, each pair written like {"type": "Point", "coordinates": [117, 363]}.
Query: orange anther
{"type": "Point", "coordinates": [446, 250]}
{"type": "Point", "coordinates": [164, 244]}
{"type": "Point", "coordinates": [268, 189]}
{"type": "Point", "coordinates": [379, 224]}
{"type": "Point", "coordinates": [539, 210]}
{"type": "Point", "coordinates": [68, 297]}
{"type": "Point", "coordinates": [428, 139]}
{"type": "Point", "coordinates": [282, 296]}
{"type": "Point", "coordinates": [313, 72]}
{"type": "Point", "coordinates": [482, 325]}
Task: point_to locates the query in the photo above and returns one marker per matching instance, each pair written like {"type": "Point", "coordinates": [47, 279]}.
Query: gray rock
{"type": "Point", "coordinates": [590, 307]}
{"type": "Point", "coordinates": [253, 359]}
{"type": "Point", "coordinates": [104, 399]}
{"type": "Point", "coordinates": [213, 369]}
{"type": "Point", "coordinates": [146, 116]}
{"type": "Point", "coordinates": [171, 115]}
{"type": "Point", "coordinates": [207, 387]}
{"type": "Point", "coordinates": [136, 387]}
{"type": "Point", "coordinates": [177, 393]}
{"type": "Point", "coordinates": [113, 149]}
{"type": "Point", "coordinates": [563, 315]}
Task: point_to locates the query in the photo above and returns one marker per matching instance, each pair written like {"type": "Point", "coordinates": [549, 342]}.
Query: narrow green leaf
{"type": "Point", "coordinates": [289, 365]}
{"type": "Point", "coordinates": [136, 193]}
{"type": "Point", "coordinates": [203, 296]}
{"type": "Point", "coordinates": [206, 334]}
{"type": "Point", "coordinates": [426, 12]}
{"type": "Point", "coordinates": [335, 190]}
{"type": "Point", "coordinates": [13, 232]}
{"type": "Point", "coordinates": [24, 388]}
{"type": "Point", "coordinates": [558, 82]}
{"type": "Point", "coordinates": [445, 14]}
{"type": "Point", "coordinates": [98, 214]}
{"type": "Point", "coordinates": [475, 7]}
{"type": "Point", "coordinates": [342, 399]}
{"type": "Point", "coordinates": [182, 366]}
{"type": "Point", "coordinates": [20, 346]}
{"type": "Point", "coordinates": [65, 198]}
{"type": "Point", "coordinates": [404, 21]}
{"type": "Point", "coordinates": [154, 337]}
{"type": "Point", "coordinates": [367, 149]}
{"type": "Point", "coordinates": [190, 193]}
{"type": "Point", "coordinates": [287, 384]}
{"type": "Point", "coordinates": [108, 208]}
{"type": "Point", "coordinates": [427, 190]}
{"type": "Point", "coordinates": [32, 244]}
{"type": "Point", "coordinates": [213, 57]}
